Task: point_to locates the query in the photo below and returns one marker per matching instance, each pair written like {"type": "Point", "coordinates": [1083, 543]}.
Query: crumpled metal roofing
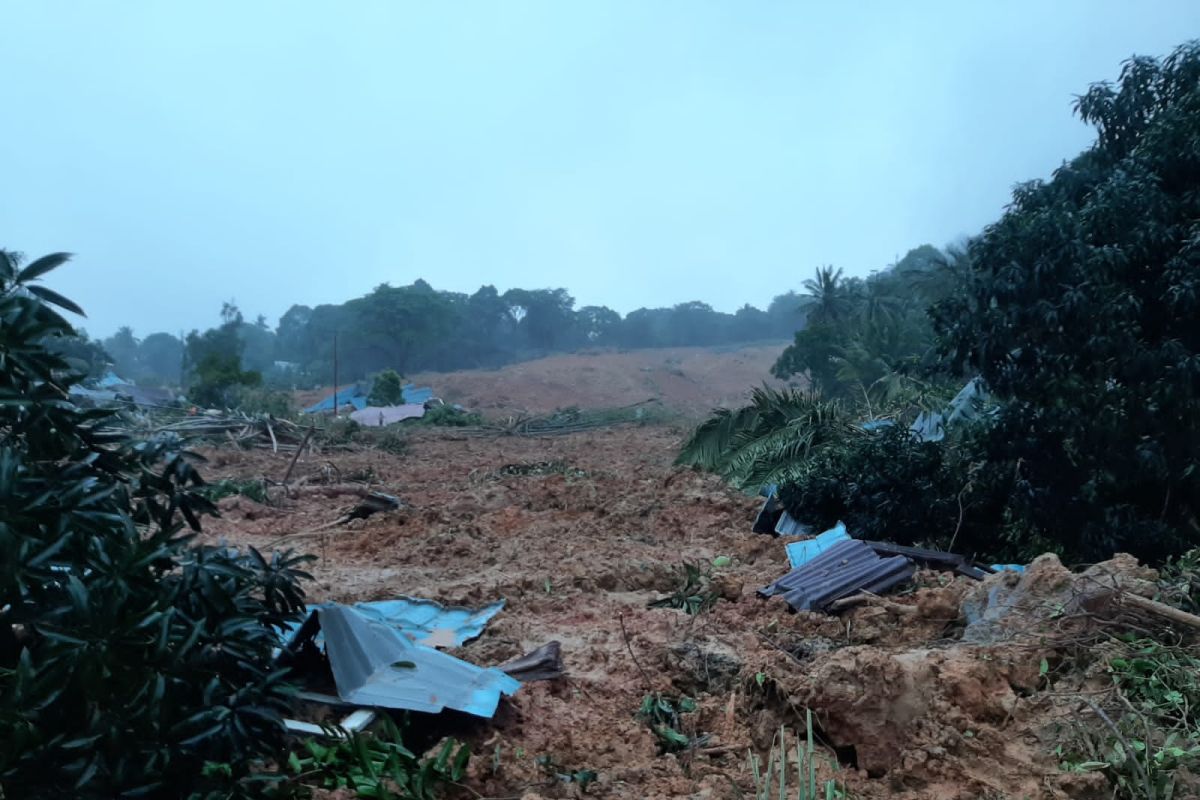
{"type": "Point", "coordinates": [431, 623]}
{"type": "Point", "coordinates": [768, 515]}
{"type": "Point", "coordinates": [846, 568]}
{"type": "Point", "coordinates": [374, 664]}
{"type": "Point", "coordinates": [800, 553]}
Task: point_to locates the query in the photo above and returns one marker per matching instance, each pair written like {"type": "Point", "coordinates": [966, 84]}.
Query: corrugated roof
{"type": "Point", "coordinates": [378, 416]}
{"type": "Point", "coordinates": [846, 568]}
{"type": "Point", "coordinates": [373, 664]}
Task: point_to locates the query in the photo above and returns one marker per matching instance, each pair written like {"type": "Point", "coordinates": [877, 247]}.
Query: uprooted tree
{"type": "Point", "coordinates": [131, 662]}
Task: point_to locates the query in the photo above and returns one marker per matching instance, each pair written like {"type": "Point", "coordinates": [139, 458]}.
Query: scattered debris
{"type": "Point", "coordinates": [846, 568]}
{"type": "Point", "coordinates": [787, 525]}
{"type": "Point", "coordinates": [768, 515]}
{"type": "Point", "coordinates": [938, 559]}
{"type": "Point", "coordinates": [543, 664]}
{"type": "Point", "coordinates": [374, 665]}
{"type": "Point", "coordinates": [372, 503]}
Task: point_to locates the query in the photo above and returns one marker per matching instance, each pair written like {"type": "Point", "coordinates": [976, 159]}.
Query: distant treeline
{"type": "Point", "coordinates": [414, 328]}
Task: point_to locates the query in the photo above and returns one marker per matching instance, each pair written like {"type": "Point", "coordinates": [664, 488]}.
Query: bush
{"type": "Point", "coordinates": [260, 400]}
{"type": "Point", "coordinates": [449, 416]}
{"type": "Point", "coordinates": [387, 390]}
{"type": "Point", "coordinates": [131, 663]}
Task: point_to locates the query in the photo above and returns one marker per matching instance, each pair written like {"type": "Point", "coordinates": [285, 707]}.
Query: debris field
{"type": "Point", "coordinates": [940, 689]}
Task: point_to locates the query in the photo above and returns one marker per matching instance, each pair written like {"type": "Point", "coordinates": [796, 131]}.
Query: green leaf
{"type": "Point", "coordinates": [54, 298]}
{"type": "Point", "coordinates": [42, 265]}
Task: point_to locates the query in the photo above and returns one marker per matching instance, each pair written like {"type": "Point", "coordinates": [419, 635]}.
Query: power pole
{"type": "Point", "coordinates": [335, 376]}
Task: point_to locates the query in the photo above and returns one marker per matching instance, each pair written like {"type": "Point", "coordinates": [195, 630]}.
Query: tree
{"type": "Point", "coordinates": [1082, 313]}
{"type": "Point", "coordinates": [216, 359]}
{"type": "Point", "coordinates": [161, 357]}
{"type": "Point", "coordinates": [131, 663]}
{"type": "Point", "coordinates": [123, 347]}
{"type": "Point", "coordinates": [829, 301]}
{"type": "Point", "coordinates": [388, 389]}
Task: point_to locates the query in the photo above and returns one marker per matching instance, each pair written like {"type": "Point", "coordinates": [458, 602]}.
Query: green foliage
{"type": "Point", "coordinates": [216, 358]}
{"type": "Point", "coordinates": [867, 340]}
{"type": "Point", "coordinates": [694, 592]}
{"type": "Point", "coordinates": [583, 778]}
{"type": "Point", "coordinates": [767, 440]}
{"type": "Point", "coordinates": [129, 660]}
{"type": "Point", "coordinates": [387, 390]}
{"type": "Point", "coordinates": [450, 417]}
{"type": "Point", "coordinates": [1082, 313]}
{"type": "Point", "coordinates": [771, 782]}
{"type": "Point", "coordinates": [663, 714]}
{"type": "Point", "coordinates": [261, 400]}
{"type": "Point", "coordinates": [256, 490]}
{"type": "Point", "coordinates": [1152, 730]}
{"type": "Point", "coordinates": [378, 766]}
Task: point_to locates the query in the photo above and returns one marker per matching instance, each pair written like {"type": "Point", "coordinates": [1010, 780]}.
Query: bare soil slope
{"type": "Point", "coordinates": [692, 380]}
{"type": "Point", "coordinates": [578, 544]}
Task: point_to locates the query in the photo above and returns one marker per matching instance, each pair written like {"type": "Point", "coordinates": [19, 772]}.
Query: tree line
{"type": "Point", "coordinates": [416, 327]}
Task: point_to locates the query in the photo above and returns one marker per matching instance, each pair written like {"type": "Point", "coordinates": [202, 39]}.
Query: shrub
{"type": "Point", "coordinates": [387, 390]}
{"type": "Point", "coordinates": [130, 661]}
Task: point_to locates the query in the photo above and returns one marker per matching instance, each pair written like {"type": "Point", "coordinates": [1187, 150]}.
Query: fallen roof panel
{"type": "Point", "coordinates": [429, 622]}
{"type": "Point", "coordinates": [373, 664]}
{"type": "Point", "coordinates": [800, 553]}
{"type": "Point", "coordinates": [790, 526]}
{"type": "Point", "coordinates": [848, 567]}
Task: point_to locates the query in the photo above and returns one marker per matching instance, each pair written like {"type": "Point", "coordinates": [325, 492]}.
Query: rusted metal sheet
{"type": "Point", "coordinates": [938, 559]}
{"type": "Point", "coordinates": [846, 568]}
{"type": "Point", "coordinates": [543, 664]}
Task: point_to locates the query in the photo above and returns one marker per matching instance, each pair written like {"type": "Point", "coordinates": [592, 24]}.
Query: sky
{"type": "Point", "coordinates": [636, 153]}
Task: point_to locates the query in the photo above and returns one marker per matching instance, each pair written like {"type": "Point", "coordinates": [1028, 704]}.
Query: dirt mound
{"type": "Point", "coordinates": [692, 380]}
{"type": "Point", "coordinates": [904, 705]}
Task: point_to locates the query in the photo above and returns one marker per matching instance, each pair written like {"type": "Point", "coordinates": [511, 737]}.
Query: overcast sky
{"type": "Point", "coordinates": [636, 153]}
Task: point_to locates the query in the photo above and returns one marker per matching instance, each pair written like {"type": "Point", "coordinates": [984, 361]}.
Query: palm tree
{"type": "Point", "coordinates": [829, 302]}
{"type": "Point", "coordinates": [767, 440]}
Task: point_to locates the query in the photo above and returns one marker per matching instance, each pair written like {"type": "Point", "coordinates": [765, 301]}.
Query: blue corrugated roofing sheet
{"type": "Point", "coordinates": [800, 553]}
{"type": "Point", "coordinates": [355, 394]}
{"type": "Point", "coordinates": [429, 622]}
{"type": "Point", "coordinates": [373, 664]}
{"type": "Point", "coordinates": [846, 568]}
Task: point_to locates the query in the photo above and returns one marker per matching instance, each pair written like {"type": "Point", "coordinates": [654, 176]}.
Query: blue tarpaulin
{"type": "Point", "coordinates": [800, 553]}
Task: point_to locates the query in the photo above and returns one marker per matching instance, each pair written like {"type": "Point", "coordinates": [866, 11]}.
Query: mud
{"type": "Point", "coordinates": [903, 706]}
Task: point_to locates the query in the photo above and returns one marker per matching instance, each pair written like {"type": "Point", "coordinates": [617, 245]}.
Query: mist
{"type": "Point", "coordinates": [282, 154]}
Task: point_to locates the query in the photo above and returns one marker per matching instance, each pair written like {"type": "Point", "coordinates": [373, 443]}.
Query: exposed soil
{"type": "Point", "coordinates": [692, 380]}
{"type": "Point", "coordinates": [903, 706]}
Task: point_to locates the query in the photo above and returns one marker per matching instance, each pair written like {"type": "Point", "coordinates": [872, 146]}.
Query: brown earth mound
{"type": "Point", "coordinates": [577, 533]}
{"type": "Point", "coordinates": [692, 380]}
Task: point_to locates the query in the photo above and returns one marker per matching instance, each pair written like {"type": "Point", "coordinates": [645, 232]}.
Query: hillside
{"type": "Point", "coordinates": [692, 380]}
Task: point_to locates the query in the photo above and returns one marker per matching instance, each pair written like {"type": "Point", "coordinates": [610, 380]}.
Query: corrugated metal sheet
{"type": "Point", "coordinates": [373, 664]}
{"type": "Point", "coordinates": [378, 416]}
{"type": "Point", "coordinates": [844, 569]}
{"type": "Point", "coordinates": [790, 526]}
{"type": "Point", "coordinates": [800, 553]}
{"type": "Point", "coordinates": [543, 664]}
{"type": "Point", "coordinates": [939, 559]}
{"type": "Point", "coordinates": [431, 623]}
{"type": "Point", "coordinates": [354, 394]}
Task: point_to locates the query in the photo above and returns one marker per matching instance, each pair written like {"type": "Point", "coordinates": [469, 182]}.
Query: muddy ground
{"type": "Point", "coordinates": [903, 707]}
{"type": "Point", "coordinates": [692, 380]}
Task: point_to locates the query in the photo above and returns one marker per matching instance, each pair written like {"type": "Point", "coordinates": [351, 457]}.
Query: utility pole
{"type": "Point", "coordinates": [335, 376]}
